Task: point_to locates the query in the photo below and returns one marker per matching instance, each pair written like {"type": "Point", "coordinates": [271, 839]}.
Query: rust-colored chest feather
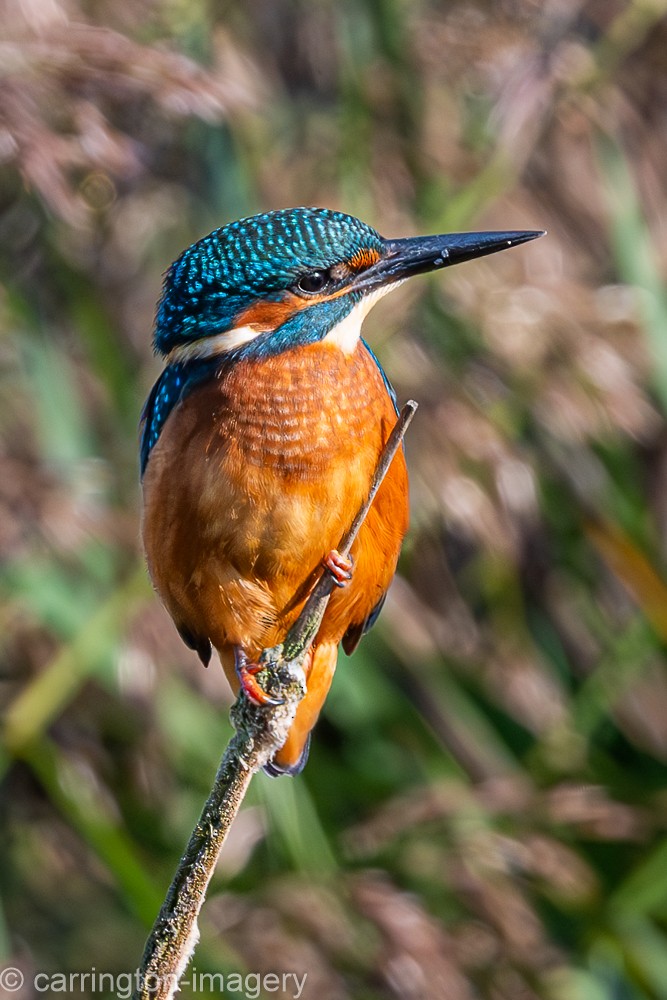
{"type": "Point", "coordinates": [300, 413]}
{"type": "Point", "coordinates": [256, 476]}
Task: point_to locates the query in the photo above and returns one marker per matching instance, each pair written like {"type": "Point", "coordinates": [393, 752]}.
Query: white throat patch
{"type": "Point", "coordinates": [346, 334]}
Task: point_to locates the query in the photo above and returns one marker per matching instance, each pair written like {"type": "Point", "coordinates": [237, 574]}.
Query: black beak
{"type": "Point", "coordinates": [420, 254]}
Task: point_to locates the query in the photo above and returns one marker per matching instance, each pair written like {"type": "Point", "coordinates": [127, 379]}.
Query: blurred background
{"type": "Point", "coordinates": [483, 815]}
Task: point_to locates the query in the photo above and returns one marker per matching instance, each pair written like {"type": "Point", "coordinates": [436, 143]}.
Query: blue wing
{"type": "Point", "coordinates": [163, 397]}
{"type": "Point", "coordinates": [172, 386]}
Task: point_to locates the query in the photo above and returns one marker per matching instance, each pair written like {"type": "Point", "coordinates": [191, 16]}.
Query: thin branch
{"type": "Point", "coordinates": [260, 732]}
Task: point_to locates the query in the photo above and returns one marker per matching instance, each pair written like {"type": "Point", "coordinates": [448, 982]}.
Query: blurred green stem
{"type": "Point", "coordinates": [42, 700]}
{"type": "Point", "coordinates": [636, 256]}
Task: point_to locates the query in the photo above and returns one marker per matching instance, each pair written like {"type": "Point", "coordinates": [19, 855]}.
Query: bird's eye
{"type": "Point", "coordinates": [314, 281]}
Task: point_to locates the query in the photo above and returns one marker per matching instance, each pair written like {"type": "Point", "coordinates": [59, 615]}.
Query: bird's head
{"type": "Point", "coordinates": [273, 281]}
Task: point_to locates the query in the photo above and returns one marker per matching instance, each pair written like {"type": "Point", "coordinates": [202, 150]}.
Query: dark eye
{"type": "Point", "coordinates": [315, 281]}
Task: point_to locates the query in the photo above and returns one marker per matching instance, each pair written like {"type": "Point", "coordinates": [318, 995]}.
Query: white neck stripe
{"type": "Point", "coordinates": [219, 343]}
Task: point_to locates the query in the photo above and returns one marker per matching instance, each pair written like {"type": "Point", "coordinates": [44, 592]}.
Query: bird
{"type": "Point", "coordinates": [260, 437]}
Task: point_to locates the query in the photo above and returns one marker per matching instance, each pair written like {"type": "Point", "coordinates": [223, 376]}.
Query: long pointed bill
{"type": "Point", "coordinates": [420, 254]}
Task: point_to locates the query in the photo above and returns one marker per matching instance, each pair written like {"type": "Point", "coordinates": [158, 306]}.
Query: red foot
{"type": "Point", "coordinates": [245, 672]}
{"type": "Point", "coordinates": [339, 566]}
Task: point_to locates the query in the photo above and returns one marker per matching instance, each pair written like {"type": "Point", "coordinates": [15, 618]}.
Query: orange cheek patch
{"type": "Point", "coordinates": [269, 315]}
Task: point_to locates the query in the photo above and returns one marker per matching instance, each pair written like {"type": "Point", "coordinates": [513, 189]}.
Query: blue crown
{"type": "Point", "coordinates": [223, 273]}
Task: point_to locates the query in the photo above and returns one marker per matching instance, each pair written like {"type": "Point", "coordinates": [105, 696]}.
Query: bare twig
{"type": "Point", "coordinates": [260, 731]}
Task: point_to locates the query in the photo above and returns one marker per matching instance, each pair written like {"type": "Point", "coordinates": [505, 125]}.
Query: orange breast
{"type": "Point", "coordinates": [256, 476]}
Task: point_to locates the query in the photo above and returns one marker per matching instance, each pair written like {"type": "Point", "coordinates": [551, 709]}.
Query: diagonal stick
{"type": "Point", "coordinates": [305, 628]}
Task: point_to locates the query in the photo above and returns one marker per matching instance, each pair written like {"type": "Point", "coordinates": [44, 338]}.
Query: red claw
{"type": "Point", "coordinates": [339, 566]}
{"type": "Point", "coordinates": [245, 672]}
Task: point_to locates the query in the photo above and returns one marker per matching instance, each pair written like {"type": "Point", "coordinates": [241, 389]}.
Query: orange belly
{"type": "Point", "coordinates": [255, 478]}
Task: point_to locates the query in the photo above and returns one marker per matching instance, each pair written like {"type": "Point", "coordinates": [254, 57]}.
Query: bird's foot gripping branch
{"type": "Point", "coordinates": [283, 685]}
{"type": "Point", "coordinates": [260, 731]}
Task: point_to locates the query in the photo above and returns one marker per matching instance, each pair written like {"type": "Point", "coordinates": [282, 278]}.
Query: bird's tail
{"type": "Point", "coordinates": [292, 756]}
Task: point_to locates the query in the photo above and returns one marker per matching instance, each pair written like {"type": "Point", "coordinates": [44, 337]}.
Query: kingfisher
{"type": "Point", "coordinates": [260, 438]}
